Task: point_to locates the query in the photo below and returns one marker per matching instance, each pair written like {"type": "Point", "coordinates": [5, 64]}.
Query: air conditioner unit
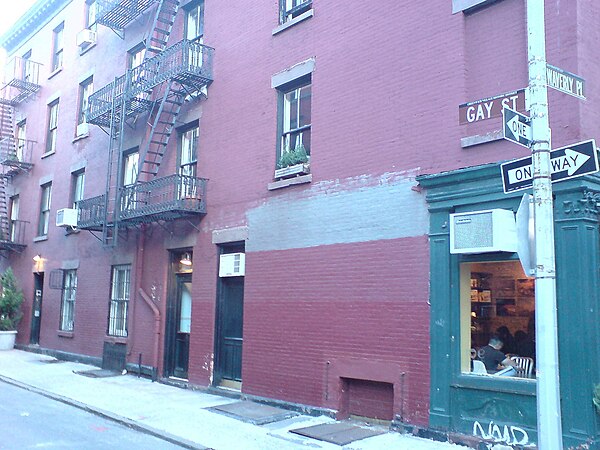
{"type": "Point", "coordinates": [82, 129]}
{"type": "Point", "coordinates": [492, 230]}
{"type": "Point", "coordinates": [85, 38]}
{"type": "Point", "coordinates": [66, 217]}
{"type": "Point", "coordinates": [232, 265]}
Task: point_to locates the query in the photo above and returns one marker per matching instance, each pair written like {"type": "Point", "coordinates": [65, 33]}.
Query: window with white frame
{"type": "Point", "coordinates": [67, 307]}
{"type": "Point", "coordinates": [130, 172]}
{"type": "Point", "coordinates": [52, 126]}
{"type": "Point", "coordinates": [295, 119]}
{"type": "Point", "coordinates": [14, 218]}
{"type": "Point", "coordinates": [194, 21]}
{"type": "Point", "coordinates": [21, 146]}
{"type": "Point", "coordinates": [91, 7]}
{"type": "Point", "coordinates": [119, 300]}
{"type": "Point", "coordinates": [77, 185]}
{"type": "Point", "coordinates": [86, 88]}
{"type": "Point", "coordinates": [188, 160]}
{"type": "Point", "coordinates": [27, 69]}
{"type": "Point", "coordinates": [290, 9]}
{"type": "Point", "coordinates": [58, 47]}
{"type": "Point", "coordinates": [45, 201]}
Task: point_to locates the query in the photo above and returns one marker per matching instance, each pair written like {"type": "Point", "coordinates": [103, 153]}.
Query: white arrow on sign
{"type": "Point", "coordinates": [519, 129]}
{"type": "Point", "coordinates": [571, 162]}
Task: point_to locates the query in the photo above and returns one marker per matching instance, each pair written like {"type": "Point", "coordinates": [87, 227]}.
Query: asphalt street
{"type": "Point", "coordinates": [32, 421]}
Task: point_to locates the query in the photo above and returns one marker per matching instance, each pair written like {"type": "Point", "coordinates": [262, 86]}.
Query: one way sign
{"type": "Point", "coordinates": [567, 162]}
{"type": "Point", "coordinates": [516, 127]}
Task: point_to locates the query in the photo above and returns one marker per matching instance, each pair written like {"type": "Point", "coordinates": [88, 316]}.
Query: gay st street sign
{"type": "Point", "coordinates": [567, 162]}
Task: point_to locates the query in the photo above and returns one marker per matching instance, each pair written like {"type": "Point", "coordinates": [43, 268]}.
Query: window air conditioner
{"type": "Point", "coordinates": [85, 38]}
{"type": "Point", "coordinates": [66, 217]}
{"type": "Point", "coordinates": [493, 230]}
{"type": "Point", "coordinates": [232, 265]}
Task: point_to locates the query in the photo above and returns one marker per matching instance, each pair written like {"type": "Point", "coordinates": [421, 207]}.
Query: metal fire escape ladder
{"type": "Point", "coordinates": [110, 224]}
{"type": "Point", "coordinates": [163, 126]}
{"type": "Point", "coordinates": [164, 18]}
{"type": "Point", "coordinates": [4, 220]}
{"type": "Point", "coordinates": [7, 127]}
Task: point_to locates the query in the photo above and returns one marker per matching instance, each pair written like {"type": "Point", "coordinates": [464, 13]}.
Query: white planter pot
{"type": "Point", "coordinates": [7, 340]}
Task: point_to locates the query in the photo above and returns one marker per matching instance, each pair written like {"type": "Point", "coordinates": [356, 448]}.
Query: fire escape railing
{"type": "Point", "coordinates": [165, 198]}
{"type": "Point", "coordinates": [91, 213]}
{"type": "Point", "coordinates": [186, 62]}
{"type": "Point", "coordinates": [21, 79]}
{"type": "Point", "coordinates": [117, 14]}
{"type": "Point", "coordinates": [13, 238]}
{"type": "Point", "coordinates": [16, 155]}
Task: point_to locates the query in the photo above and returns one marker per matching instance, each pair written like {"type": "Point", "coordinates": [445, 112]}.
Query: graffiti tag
{"type": "Point", "coordinates": [508, 434]}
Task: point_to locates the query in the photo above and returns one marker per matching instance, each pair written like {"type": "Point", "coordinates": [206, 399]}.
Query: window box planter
{"type": "Point", "coordinates": [292, 171]}
{"type": "Point", "coordinates": [7, 340]}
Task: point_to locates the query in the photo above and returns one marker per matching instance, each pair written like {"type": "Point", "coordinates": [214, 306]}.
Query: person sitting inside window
{"type": "Point", "coordinates": [492, 357]}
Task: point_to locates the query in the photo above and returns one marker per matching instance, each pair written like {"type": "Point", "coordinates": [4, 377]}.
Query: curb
{"type": "Point", "coordinates": [108, 415]}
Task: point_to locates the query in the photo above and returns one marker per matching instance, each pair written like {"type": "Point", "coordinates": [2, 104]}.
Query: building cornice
{"type": "Point", "coordinates": [35, 18]}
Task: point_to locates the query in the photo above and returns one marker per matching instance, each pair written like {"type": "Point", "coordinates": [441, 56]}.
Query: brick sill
{"type": "Point", "coordinates": [290, 182]}
{"type": "Point", "coordinates": [115, 339]}
{"type": "Point", "coordinates": [65, 334]}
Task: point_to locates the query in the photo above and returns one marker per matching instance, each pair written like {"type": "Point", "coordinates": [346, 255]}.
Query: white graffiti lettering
{"type": "Point", "coordinates": [508, 434]}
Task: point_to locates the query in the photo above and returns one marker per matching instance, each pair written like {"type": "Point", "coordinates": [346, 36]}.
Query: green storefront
{"type": "Point", "coordinates": [475, 295]}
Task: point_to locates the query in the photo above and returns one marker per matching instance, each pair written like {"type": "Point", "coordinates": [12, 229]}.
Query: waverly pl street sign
{"type": "Point", "coordinates": [567, 162]}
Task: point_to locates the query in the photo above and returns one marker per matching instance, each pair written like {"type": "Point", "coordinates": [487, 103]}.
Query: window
{"type": "Point", "coordinates": [188, 157]}
{"type": "Point", "coordinates": [91, 8]}
{"type": "Point", "coordinates": [194, 21]}
{"type": "Point", "coordinates": [14, 219]}
{"type": "Point", "coordinates": [136, 56]}
{"type": "Point", "coordinates": [52, 127]}
{"type": "Point", "coordinates": [290, 9]}
{"type": "Point", "coordinates": [130, 172]}
{"type": "Point", "coordinates": [295, 122]}
{"type": "Point", "coordinates": [45, 201]}
{"type": "Point", "coordinates": [57, 47]}
{"type": "Point", "coordinates": [119, 300]}
{"type": "Point", "coordinates": [497, 301]}
{"type": "Point", "coordinates": [77, 185]}
{"type": "Point", "coordinates": [67, 307]}
{"type": "Point", "coordinates": [86, 88]}
{"type": "Point", "coordinates": [27, 68]}
{"type": "Point", "coordinates": [22, 141]}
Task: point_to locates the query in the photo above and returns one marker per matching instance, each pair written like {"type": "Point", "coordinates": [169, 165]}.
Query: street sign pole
{"type": "Point", "coordinates": [548, 387]}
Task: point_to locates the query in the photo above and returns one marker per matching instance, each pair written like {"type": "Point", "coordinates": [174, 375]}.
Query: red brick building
{"type": "Point", "coordinates": [236, 189]}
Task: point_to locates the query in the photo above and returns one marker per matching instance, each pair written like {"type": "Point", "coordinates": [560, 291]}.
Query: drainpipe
{"type": "Point", "coordinates": [156, 312]}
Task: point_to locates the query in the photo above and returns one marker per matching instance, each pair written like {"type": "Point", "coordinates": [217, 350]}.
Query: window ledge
{"type": "Point", "coordinates": [80, 137]}
{"type": "Point", "coordinates": [83, 51]}
{"type": "Point", "coordinates": [40, 238]}
{"type": "Point", "coordinates": [290, 23]}
{"type": "Point", "coordinates": [116, 339]}
{"type": "Point", "coordinates": [45, 155]}
{"type": "Point", "coordinates": [290, 182]}
{"type": "Point", "coordinates": [57, 71]}
{"type": "Point", "coordinates": [65, 334]}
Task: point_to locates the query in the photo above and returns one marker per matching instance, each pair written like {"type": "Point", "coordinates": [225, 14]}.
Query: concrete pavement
{"type": "Point", "coordinates": [177, 415]}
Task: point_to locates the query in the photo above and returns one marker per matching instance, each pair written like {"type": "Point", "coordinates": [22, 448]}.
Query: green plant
{"type": "Point", "coordinates": [596, 397]}
{"type": "Point", "coordinates": [11, 299]}
{"type": "Point", "coordinates": [292, 157]}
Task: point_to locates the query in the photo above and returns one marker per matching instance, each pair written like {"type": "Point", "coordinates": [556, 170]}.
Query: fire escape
{"type": "Point", "coordinates": [21, 82]}
{"type": "Point", "coordinates": [158, 86]}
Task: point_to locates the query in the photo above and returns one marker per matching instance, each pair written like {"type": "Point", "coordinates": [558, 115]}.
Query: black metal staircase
{"type": "Point", "coordinates": [159, 85]}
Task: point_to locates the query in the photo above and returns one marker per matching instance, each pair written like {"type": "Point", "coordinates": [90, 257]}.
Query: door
{"type": "Point", "coordinates": [179, 321]}
{"type": "Point", "coordinates": [36, 310]}
{"type": "Point", "coordinates": [230, 321]}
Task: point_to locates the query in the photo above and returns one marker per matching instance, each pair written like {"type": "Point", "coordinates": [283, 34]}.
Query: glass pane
{"type": "Point", "coordinates": [185, 314]}
{"type": "Point", "coordinates": [131, 168]}
{"type": "Point", "coordinates": [291, 110]}
{"type": "Point", "coordinates": [304, 107]}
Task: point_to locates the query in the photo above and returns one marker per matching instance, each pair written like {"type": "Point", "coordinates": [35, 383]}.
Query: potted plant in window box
{"type": "Point", "coordinates": [292, 163]}
{"type": "Point", "coordinates": [11, 299]}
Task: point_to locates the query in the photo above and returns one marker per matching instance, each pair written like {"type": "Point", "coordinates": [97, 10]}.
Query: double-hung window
{"type": "Point", "coordinates": [58, 47]}
{"type": "Point", "coordinates": [188, 157]}
{"type": "Point", "coordinates": [67, 308]}
{"type": "Point", "coordinates": [91, 7]}
{"type": "Point", "coordinates": [52, 126]}
{"type": "Point", "coordinates": [194, 21]}
{"type": "Point", "coordinates": [14, 219]}
{"type": "Point", "coordinates": [295, 118]}
{"type": "Point", "coordinates": [77, 185]}
{"type": "Point", "coordinates": [130, 172]}
{"type": "Point", "coordinates": [290, 9]}
{"type": "Point", "coordinates": [21, 146]}
{"type": "Point", "coordinates": [119, 300]}
{"type": "Point", "coordinates": [86, 88]}
{"type": "Point", "coordinates": [45, 201]}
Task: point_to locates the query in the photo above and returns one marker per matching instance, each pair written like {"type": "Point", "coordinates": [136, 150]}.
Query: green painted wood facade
{"type": "Point", "coordinates": [460, 401]}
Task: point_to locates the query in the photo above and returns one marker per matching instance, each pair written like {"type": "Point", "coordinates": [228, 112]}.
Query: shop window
{"type": "Point", "coordinates": [497, 307]}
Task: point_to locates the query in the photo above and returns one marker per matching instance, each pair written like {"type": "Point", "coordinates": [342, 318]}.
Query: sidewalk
{"type": "Point", "coordinates": [177, 415]}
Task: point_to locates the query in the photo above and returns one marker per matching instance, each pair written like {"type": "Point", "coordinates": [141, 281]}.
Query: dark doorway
{"type": "Point", "coordinates": [36, 310]}
{"type": "Point", "coordinates": [179, 320]}
{"type": "Point", "coordinates": [229, 327]}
